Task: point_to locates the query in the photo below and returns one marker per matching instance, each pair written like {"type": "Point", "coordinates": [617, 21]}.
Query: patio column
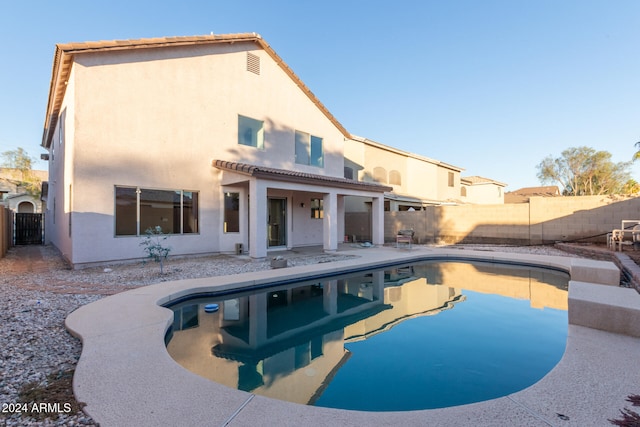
{"type": "Point", "coordinates": [377, 220]}
{"type": "Point", "coordinates": [378, 286]}
{"type": "Point", "coordinates": [330, 222]}
{"type": "Point", "coordinates": [257, 320]}
{"type": "Point", "coordinates": [340, 218]}
{"type": "Point", "coordinates": [330, 297]}
{"type": "Point", "coordinates": [258, 219]}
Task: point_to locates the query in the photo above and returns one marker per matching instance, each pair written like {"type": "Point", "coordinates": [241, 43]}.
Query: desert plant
{"type": "Point", "coordinates": [153, 244]}
{"type": "Point", "coordinates": [630, 418]}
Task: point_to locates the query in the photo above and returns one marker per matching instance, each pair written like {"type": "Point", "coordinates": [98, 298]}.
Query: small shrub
{"type": "Point", "coordinates": [629, 418]}
{"type": "Point", "coordinates": [57, 390]}
{"type": "Point", "coordinates": [153, 244]}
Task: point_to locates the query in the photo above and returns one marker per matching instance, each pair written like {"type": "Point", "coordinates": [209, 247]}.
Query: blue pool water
{"type": "Point", "coordinates": [429, 335]}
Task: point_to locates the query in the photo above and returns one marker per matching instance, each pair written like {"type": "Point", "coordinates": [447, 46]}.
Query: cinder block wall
{"type": "Point", "coordinates": [542, 220]}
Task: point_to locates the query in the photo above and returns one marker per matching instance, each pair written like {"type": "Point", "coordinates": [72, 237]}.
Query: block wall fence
{"type": "Point", "coordinates": [542, 220]}
{"type": "Point", "coordinates": [6, 230]}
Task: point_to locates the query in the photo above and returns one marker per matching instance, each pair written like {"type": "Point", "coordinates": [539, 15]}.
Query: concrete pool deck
{"type": "Point", "coordinates": [126, 377]}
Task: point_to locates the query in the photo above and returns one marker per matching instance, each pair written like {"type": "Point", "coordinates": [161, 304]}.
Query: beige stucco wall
{"type": "Point", "coordinates": [484, 194]}
{"type": "Point", "coordinates": [61, 153]}
{"type": "Point", "coordinates": [18, 203]}
{"type": "Point", "coordinates": [155, 118]}
{"type": "Point", "coordinates": [446, 192]}
{"type": "Point", "coordinates": [420, 178]}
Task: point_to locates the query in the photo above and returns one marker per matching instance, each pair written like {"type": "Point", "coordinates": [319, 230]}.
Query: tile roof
{"type": "Point", "coordinates": [522, 195]}
{"type": "Point", "coordinates": [549, 190]}
{"type": "Point", "coordinates": [299, 177]}
{"type": "Point", "coordinates": [475, 180]}
{"type": "Point", "coordinates": [64, 57]}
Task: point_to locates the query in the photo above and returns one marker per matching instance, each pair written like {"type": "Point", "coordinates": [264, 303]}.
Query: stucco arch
{"type": "Point", "coordinates": [26, 207]}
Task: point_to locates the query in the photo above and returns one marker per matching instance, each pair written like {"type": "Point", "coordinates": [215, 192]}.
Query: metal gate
{"type": "Point", "coordinates": [28, 229]}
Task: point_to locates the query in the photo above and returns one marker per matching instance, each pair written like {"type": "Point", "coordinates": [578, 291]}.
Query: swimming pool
{"type": "Point", "coordinates": [415, 336]}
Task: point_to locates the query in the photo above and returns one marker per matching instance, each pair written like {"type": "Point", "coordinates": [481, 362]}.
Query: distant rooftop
{"type": "Point", "coordinates": [522, 195]}
{"type": "Point", "coordinates": [477, 180]}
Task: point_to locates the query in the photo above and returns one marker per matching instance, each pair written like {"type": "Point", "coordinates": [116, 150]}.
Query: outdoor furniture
{"type": "Point", "coordinates": [404, 237]}
{"type": "Point", "coordinates": [627, 235]}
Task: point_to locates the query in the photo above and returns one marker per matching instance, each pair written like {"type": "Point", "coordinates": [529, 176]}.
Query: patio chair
{"type": "Point", "coordinates": [404, 237]}
{"type": "Point", "coordinates": [626, 237]}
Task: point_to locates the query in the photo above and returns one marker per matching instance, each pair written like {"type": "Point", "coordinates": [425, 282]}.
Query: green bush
{"type": "Point", "coordinates": [153, 244]}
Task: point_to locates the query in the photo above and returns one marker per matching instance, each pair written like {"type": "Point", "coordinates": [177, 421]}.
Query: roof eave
{"type": "Point", "coordinates": [299, 178]}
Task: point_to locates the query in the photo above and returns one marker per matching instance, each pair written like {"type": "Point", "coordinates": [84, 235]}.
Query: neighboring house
{"type": "Point", "coordinates": [522, 195]}
{"type": "Point", "coordinates": [481, 191]}
{"type": "Point", "coordinates": [213, 138]}
{"type": "Point", "coordinates": [416, 181]}
{"type": "Point", "coordinates": [14, 196]}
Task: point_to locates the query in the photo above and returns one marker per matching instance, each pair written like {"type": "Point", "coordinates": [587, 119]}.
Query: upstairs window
{"type": "Point", "coordinates": [450, 179]}
{"type": "Point", "coordinates": [250, 132]}
{"type": "Point", "coordinates": [309, 150]}
{"type": "Point", "coordinates": [380, 175]}
{"type": "Point", "coordinates": [395, 178]}
{"type": "Point", "coordinates": [348, 172]}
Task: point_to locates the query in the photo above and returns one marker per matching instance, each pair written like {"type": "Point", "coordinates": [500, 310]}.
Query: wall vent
{"type": "Point", "coordinates": [253, 63]}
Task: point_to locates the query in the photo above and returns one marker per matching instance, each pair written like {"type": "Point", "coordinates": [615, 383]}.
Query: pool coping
{"type": "Point", "coordinates": [126, 377]}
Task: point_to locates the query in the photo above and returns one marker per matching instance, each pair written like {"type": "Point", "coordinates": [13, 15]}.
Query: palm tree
{"type": "Point", "coordinates": [636, 155]}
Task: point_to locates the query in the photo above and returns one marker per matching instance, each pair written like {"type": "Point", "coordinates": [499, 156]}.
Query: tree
{"type": "Point", "coordinates": [631, 187]}
{"type": "Point", "coordinates": [19, 159]}
{"type": "Point", "coordinates": [583, 171]}
{"type": "Point", "coordinates": [636, 155]}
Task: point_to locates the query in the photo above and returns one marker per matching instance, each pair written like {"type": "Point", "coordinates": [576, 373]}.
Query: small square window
{"type": "Point", "coordinates": [250, 132]}
{"type": "Point", "coordinates": [317, 210]}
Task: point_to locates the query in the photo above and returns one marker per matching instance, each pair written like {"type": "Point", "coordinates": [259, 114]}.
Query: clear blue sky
{"type": "Point", "coordinates": [491, 86]}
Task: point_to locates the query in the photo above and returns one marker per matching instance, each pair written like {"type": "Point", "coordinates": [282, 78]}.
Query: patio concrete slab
{"type": "Point", "coordinates": [590, 383]}
{"type": "Point", "coordinates": [478, 414]}
{"type": "Point", "coordinates": [126, 377]}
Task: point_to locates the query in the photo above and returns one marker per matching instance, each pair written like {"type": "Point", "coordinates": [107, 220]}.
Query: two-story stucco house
{"type": "Point", "coordinates": [416, 181]}
{"type": "Point", "coordinates": [213, 138]}
{"type": "Point", "coordinates": [481, 191]}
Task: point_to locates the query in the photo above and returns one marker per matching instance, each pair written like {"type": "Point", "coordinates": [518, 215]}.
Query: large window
{"type": "Point", "coordinates": [250, 132]}
{"type": "Point", "coordinates": [231, 212]}
{"type": "Point", "coordinates": [309, 149]}
{"type": "Point", "coordinates": [137, 209]}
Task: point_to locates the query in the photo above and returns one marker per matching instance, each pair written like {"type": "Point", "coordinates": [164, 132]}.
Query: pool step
{"type": "Point", "coordinates": [608, 308]}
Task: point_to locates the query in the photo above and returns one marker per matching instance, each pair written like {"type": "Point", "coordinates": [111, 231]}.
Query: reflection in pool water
{"type": "Point", "coordinates": [420, 336]}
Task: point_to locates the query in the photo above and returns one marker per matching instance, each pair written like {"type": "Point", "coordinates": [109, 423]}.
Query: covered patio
{"type": "Point", "coordinates": [269, 209]}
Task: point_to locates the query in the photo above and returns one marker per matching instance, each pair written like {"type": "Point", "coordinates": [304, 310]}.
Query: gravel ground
{"type": "Point", "coordinates": [38, 355]}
